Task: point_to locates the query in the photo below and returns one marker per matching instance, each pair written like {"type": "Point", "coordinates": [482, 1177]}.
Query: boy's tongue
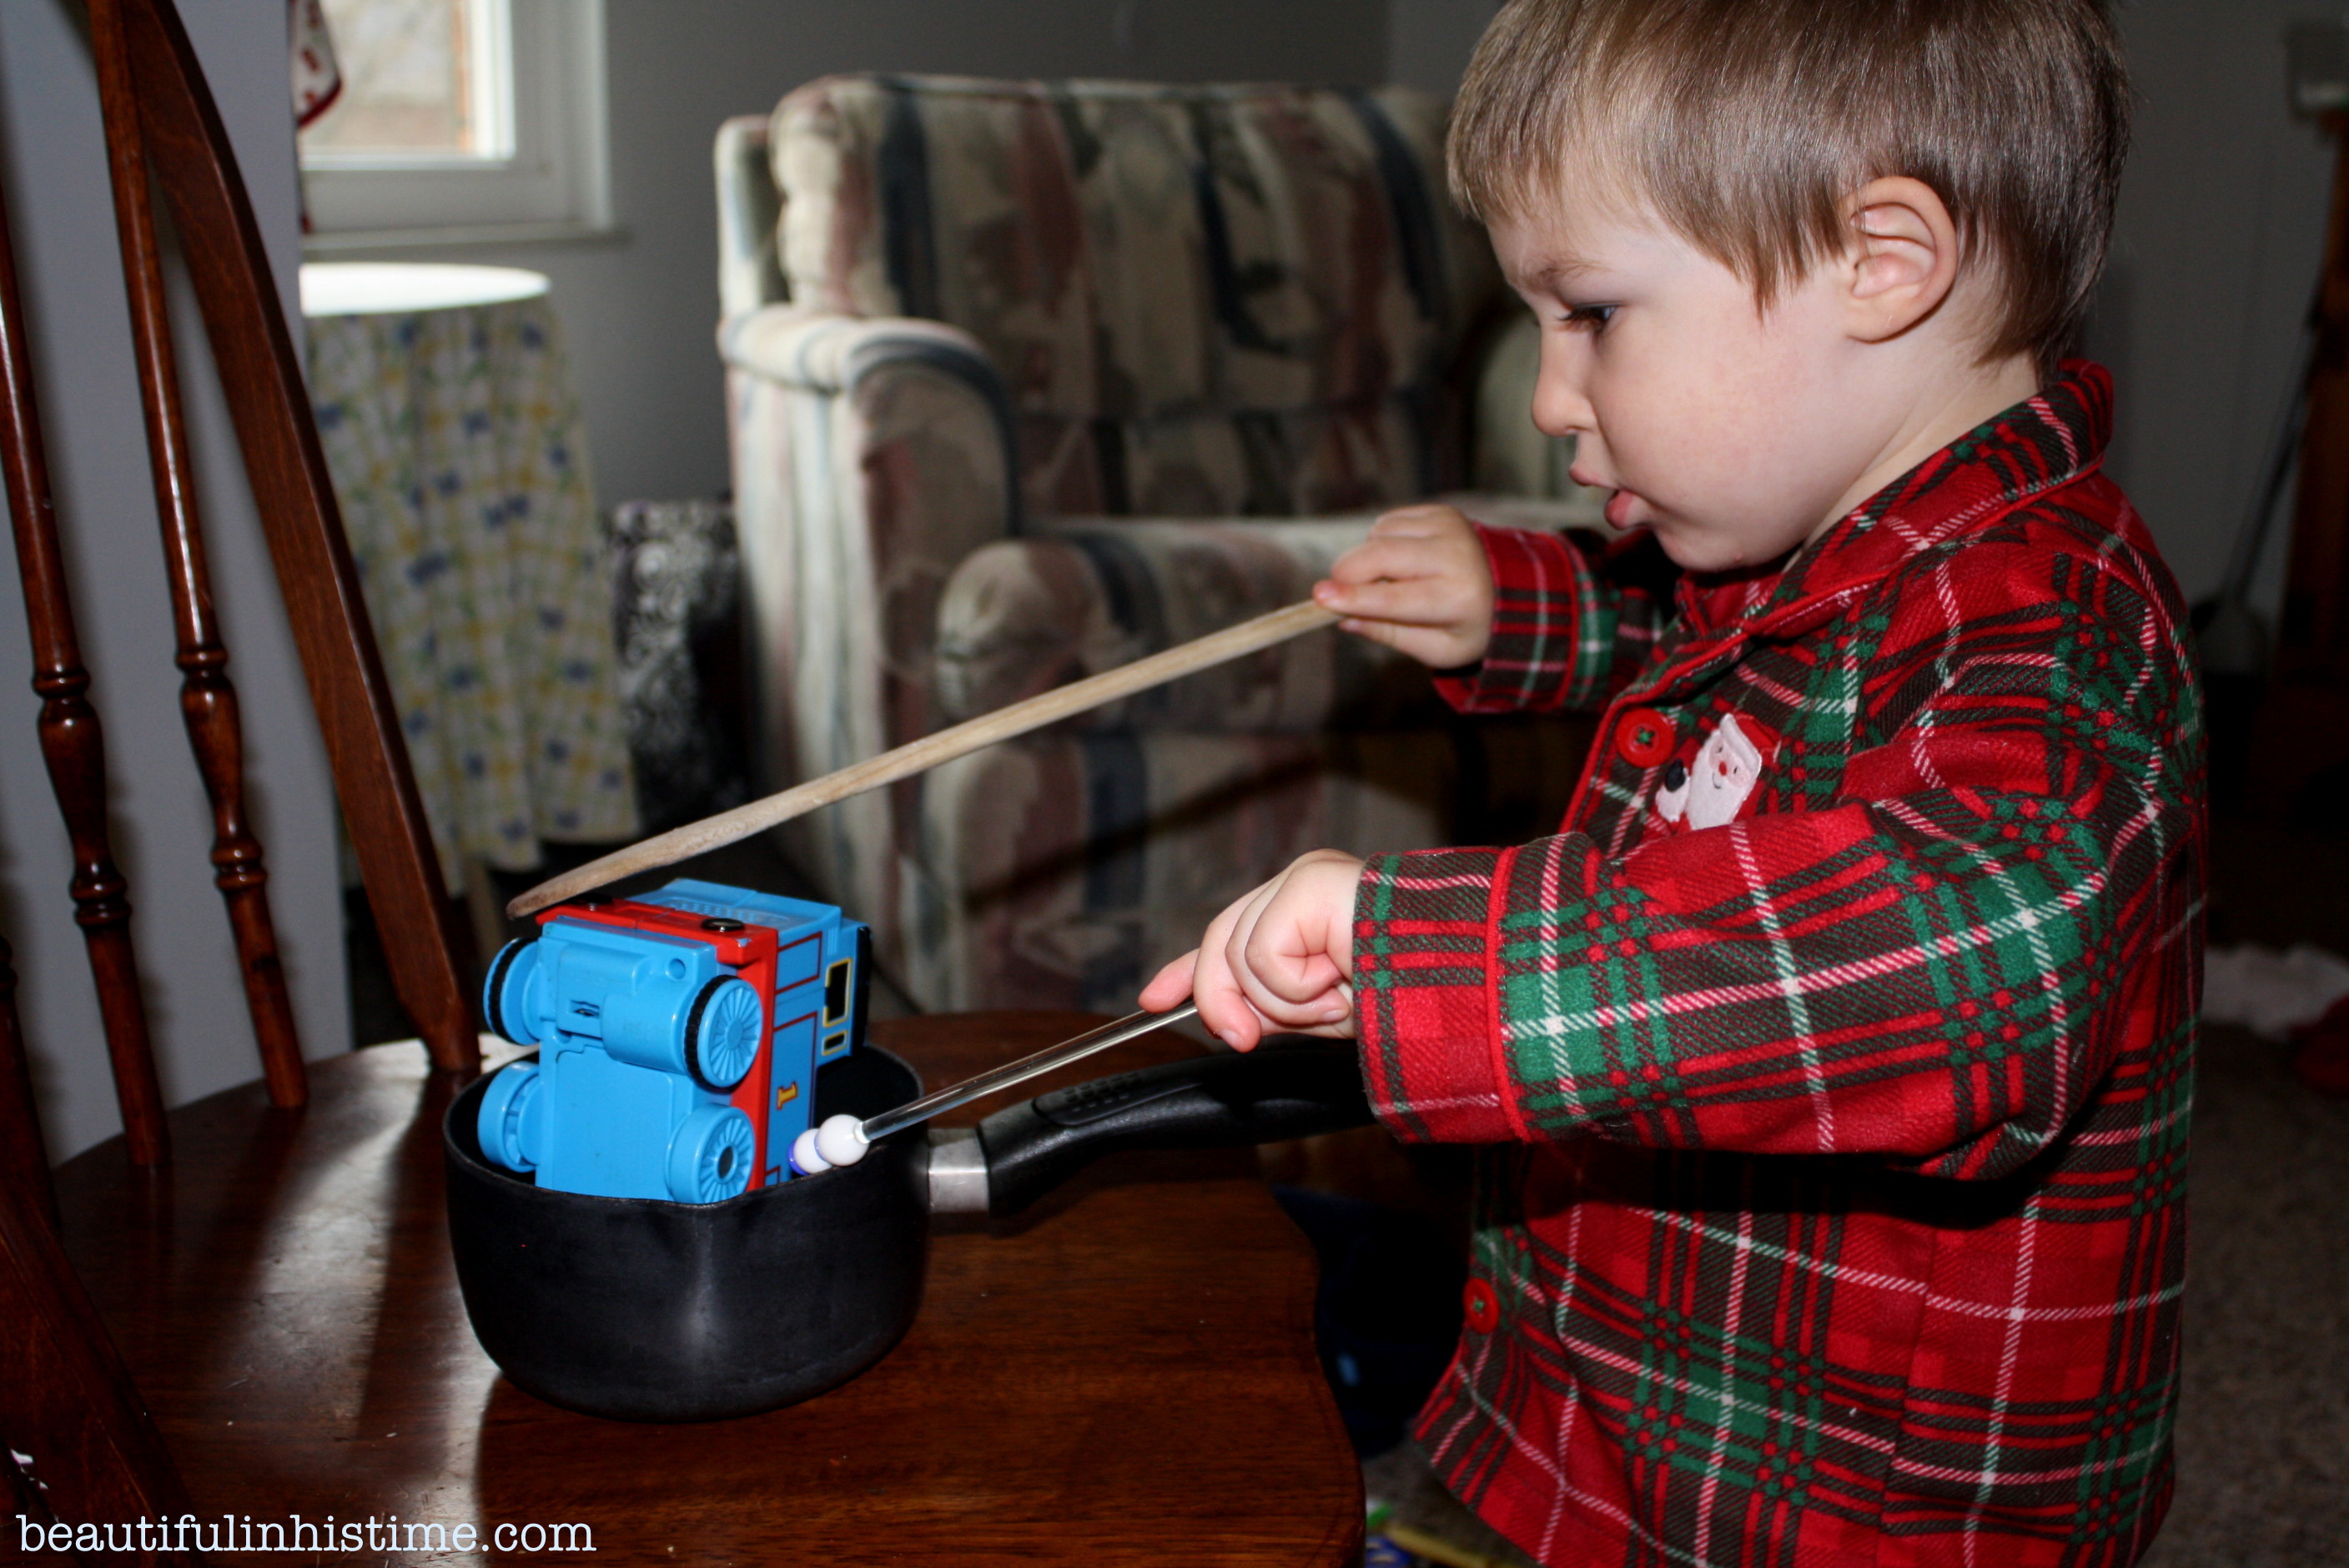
{"type": "Point", "coordinates": [1619, 509]}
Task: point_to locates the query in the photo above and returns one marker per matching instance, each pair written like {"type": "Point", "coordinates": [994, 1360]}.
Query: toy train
{"type": "Point", "coordinates": [679, 1036]}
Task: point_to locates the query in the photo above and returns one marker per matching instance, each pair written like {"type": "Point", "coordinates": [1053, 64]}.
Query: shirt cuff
{"type": "Point", "coordinates": [1424, 1006]}
{"type": "Point", "coordinates": [1538, 585]}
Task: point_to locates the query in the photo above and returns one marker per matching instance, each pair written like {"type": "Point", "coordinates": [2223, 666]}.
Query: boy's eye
{"type": "Point", "coordinates": [1589, 318]}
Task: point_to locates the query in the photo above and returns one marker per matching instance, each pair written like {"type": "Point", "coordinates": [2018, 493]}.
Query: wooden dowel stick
{"type": "Point", "coordinates": [921, 756]}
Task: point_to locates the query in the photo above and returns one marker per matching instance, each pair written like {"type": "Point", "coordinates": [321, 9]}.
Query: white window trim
{"type": "Point", "coordinates": [555, 186]}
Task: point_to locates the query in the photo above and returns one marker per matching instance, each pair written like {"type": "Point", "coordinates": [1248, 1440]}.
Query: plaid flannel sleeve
{"type": "Point", "coordinates": [1936, 967]}
{"type": "Point", "coordinates": [1566, 635]}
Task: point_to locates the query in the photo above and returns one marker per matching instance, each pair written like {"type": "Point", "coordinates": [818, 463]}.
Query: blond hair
{"type": "Point", "coordinates": [1747, 125]}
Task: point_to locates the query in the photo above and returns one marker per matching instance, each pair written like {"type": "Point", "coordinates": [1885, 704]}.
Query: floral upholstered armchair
{"type": "Point", "coordinates": [1029, 380]}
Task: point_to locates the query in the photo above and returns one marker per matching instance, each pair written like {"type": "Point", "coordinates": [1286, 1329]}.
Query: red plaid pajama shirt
{"type": "Point", "coordinates": [1836, 1210]}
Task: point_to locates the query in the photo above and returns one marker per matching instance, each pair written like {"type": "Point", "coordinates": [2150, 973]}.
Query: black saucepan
{"type": "Point", "coordinates": [645, 1310]}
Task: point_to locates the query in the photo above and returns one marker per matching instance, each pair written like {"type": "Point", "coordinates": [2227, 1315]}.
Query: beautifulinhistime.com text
{"type": "Point", "coordinates": [242, 1533]}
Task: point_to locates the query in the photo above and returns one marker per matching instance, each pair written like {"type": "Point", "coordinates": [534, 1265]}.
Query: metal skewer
{"type": "Point", "coordinates": [1132, 1027]}
{"type": "Point", "coordinates": [820, 1149]}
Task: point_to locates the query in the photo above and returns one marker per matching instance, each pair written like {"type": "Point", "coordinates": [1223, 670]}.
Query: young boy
{"type": "Point", "coordinates": [1836, 1054]}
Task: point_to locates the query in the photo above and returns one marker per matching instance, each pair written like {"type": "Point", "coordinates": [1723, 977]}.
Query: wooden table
{"type": "Point", "coordinates": [1125, 1374]}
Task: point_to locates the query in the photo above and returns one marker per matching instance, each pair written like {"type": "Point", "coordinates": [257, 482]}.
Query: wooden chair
{"type": "Point", "coordinates": [285, 1294]}
{"type": "Point", "coordinates": [81, 1413]}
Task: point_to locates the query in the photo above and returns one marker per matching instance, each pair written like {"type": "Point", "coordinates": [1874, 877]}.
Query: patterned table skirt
{"type": "Point", "coordinates": [458, 452]}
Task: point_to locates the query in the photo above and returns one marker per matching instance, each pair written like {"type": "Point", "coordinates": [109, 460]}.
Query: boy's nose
{"type": "Point", "coordinates": [1559, 408]}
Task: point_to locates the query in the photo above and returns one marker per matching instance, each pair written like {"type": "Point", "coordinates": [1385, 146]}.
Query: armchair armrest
{"type": "Point", "coordinates": [812, 350]}
{"type": "Point", "coordinates": [1079, 596]}
{"type": "Point", "coordinates": [749, 207]}
{"type": "Point", "coordinates": [827, 353]}
{"type": "Point", "coordinates": [870, 456]}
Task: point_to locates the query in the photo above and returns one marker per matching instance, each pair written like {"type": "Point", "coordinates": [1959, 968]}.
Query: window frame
{"type": "Point", "coordinates": [554, 184]}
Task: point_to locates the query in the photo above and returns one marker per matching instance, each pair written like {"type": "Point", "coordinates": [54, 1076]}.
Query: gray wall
{"type": "Point", "coordinates": [1429, 41]}
{"type": "Point", "coordinates": [639, 314]}
{"type": "Point", "coordinates": [64, 229]}
{"type": "Point", "coordinates": [2220, 235]}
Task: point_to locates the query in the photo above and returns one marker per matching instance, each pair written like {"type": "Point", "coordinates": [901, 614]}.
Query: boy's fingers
{"type": "Point", "coordinates": [1398, 556]}
{"type": "Point", "coordinates": [1244, 918]}
{"type": "Point", "coordinates": [1423, 602]}
{"type": "Point", "coordinates": [1262, 1002]}
{"type": "Point", "coordinates": [1170, 984]}
{"type": "Point", "coordinates": [1309, 1001]}
{"type": "Point", "coordinates": [1437, 648]}
{"type": "Point", "coordinates": [1281, 966]}
{"type": "Point", "coordinates": [1264, 961]}
{"type": "Point", "coordinates": [1222, 1006]}
{"type": "Point", "coordinates": [1283, 963]}
{"type": "Point", "coordinates": [1428, 520]}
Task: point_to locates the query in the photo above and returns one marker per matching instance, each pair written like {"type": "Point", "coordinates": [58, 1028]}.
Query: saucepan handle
{"type": "Point", "coordinates": [1207, 1102]}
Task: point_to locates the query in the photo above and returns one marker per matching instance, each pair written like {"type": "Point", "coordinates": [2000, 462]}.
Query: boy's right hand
{"type": "Point", "coordinates": [1280, 957]}
{"type": "Point", "coordinates": [1420, 584]}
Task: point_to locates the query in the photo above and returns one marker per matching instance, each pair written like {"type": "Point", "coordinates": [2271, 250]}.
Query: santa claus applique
{"type": "Point", "coordinates": [1716, 786]}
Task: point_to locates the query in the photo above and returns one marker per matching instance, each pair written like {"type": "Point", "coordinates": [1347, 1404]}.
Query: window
{"type": "Point", "coordinates": [458, 119]}
{"type": "Point", "coordinates": [835, 992]}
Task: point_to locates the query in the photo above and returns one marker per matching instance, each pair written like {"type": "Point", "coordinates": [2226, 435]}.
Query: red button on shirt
{"type": "Point", "coordinates": [1484, 1306]}
{"type": "Point", "coordinates": [1645, 737]}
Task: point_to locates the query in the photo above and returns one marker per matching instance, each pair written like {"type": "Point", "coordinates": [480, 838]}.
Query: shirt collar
{"type": "Point", "coordinates": [2033, 447]}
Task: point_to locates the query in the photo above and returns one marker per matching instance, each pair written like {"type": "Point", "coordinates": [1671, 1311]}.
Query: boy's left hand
{"type": "Point", "coordinates": [1281, 958]}
{"type": "Point", "coordinates": [1419, 584]}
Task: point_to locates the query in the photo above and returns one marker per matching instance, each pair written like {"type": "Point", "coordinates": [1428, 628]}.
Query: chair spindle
{"type": "Point", "coordinates": [159, 88]}
{"type": "Point", "coordinates": [208, 702]}
{"type": "Point", "coordinates": [73, 743]}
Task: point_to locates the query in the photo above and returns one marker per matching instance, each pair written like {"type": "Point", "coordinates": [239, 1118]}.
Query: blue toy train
{"type": "Point", "coordinates": [679, 1036]}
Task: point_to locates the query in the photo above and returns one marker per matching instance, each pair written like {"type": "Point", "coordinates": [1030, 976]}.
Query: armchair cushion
{"type": "Point", "coordinates": [1083, 595]}
{"type": "Point", "coordinates": [1203, 299]}
{"type": "Point", "coordinates": [1025, 615]}
{"type": "Point", "coordinates": [1023, 316]}
{"type": "Point", "coordinates": [1067, 866]}
{"type": "Point", "coordinates": [1060, 870]}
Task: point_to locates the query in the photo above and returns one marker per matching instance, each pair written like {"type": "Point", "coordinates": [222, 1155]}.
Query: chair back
{"type": "Point", "coordinates": [160, 111]}
{"type": "Point", "coordinates": [81, 1443]}
{"type": "Point", "coordinates": [1204, 301]}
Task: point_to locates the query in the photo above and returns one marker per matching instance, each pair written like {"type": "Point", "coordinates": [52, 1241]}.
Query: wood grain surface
{"type": "Point", "coordinates": [24, 1152]}
{"type": "Point", "coordinates": [1123, 1374]}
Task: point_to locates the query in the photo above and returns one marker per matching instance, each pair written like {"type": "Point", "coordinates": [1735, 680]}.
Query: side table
{"type": "Point", "coordinates": [1123, 1375]}
{"type": "Point", "coordinates": [446, 410]}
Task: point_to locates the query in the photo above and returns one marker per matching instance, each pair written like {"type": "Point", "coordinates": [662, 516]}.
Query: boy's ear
{"type": "Point", "coordinates": [1902, 263]}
